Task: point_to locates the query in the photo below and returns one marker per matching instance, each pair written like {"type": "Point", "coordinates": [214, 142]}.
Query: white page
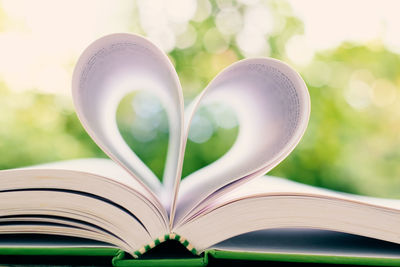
{"type": "Point", "coordinates": [113, 220]}
{"type": "Point", "coordinates": [272, 105]}
{"type": "Point", "coordinates": [108, 70]}
{"type": "Point", "coordinates": [121, 190]}
{"type": "Point", "coordinates": [99, 166]}
{"type": "Point", "coordinates": [270, 202]}
{"type": "Point", "coordinates": [103, 168]}
{"type": "Point", "coordinates": [291, 211]}
{"type": "Point", "coordinates": [269, 186]}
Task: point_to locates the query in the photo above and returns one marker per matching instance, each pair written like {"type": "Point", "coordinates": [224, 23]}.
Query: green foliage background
{"type": "Point", "coordinates": [344, 148]}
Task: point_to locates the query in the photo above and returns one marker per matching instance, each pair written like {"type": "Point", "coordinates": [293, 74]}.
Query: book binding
{"type": "Point", "coordinates": [162, 239]}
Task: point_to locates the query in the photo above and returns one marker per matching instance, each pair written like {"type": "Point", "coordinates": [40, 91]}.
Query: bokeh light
{"type": "Point", "coordinates": [347, 55]}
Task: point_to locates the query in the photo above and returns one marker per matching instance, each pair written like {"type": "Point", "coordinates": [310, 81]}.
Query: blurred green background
{"type": "Point", "coordinates": [352, 143]}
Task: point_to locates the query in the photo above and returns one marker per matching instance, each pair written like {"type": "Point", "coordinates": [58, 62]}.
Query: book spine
{"type": "Point", "coordinates": [164, 238]}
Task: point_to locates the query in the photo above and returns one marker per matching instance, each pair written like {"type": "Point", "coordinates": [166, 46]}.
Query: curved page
{"type": "Point", "coordinates": [109, 69]}
{"type": "Point", "coordinates": [117, 192]}
{"type": "Point", "coordinates": [272, 105]}
{"type": "Point", "coordinates": [119, 227]}
{"type": "Point", "coordinates": [269, 203]}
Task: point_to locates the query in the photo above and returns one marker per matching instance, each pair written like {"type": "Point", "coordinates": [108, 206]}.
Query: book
{"type": "Point", "coordinates": [228, 209]}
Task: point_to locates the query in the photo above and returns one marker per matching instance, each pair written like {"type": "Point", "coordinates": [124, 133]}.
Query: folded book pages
{"type": "Point", "coordinates": [226, 207]}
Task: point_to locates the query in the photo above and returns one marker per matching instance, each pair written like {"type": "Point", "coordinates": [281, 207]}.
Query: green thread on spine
{"type": "Point", "coordinates": [157, 241]}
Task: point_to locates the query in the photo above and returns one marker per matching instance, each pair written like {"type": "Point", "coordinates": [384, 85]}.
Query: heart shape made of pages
{"type": "Point", "coordinates": [269, 98]}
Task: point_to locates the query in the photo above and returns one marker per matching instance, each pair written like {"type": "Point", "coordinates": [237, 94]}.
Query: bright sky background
{"type": "Point", "coordinates": [328, 23]}
{"type": "Point", "coordinates": [41, 40]}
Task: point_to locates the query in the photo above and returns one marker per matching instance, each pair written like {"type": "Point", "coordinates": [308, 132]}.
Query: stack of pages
{"type": "Point", "coordinates": [227, 209]}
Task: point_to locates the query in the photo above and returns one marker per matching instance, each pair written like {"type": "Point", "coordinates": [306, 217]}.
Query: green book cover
{"type": "Point", "coordinates": [174, 250]}
{"type": "Point", "coordinates": [119, 258]}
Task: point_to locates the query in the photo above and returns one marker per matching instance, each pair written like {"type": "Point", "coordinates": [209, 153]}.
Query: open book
{"type": "Point", "coordinates": [121, 203]}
